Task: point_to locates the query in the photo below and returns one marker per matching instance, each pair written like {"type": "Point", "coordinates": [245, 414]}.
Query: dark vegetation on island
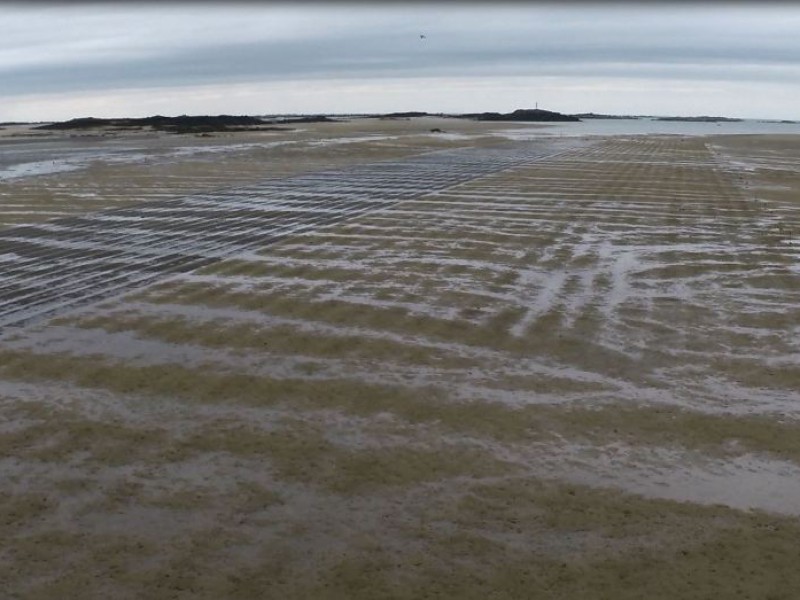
{"type": "Point", "coordinates": [181, 124]}
{"type": "Point", "coordinates": [522, 114]}
{"type": "Point", "coordinates": [302, 119]}
{"type": "Point", "coordinates": [403, 115]}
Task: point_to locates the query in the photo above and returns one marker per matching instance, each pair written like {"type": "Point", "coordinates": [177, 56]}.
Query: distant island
{"type": "Point", "coordinates": [204, 124]}
{"type": "Point", "coordinates": [522, 114]}
{"type": "Point", "coordinates": [208, 124]}
{"type": "Point", "coordinates": [700, 119]}
{"type": "Point", "coordinates": [302, 119]}
{"type": "Point", "coordinates": [591, 115]}
{"type": "Point", "coordinates": [402, 115]}
{"type": "Point", "coordinates": [181, 124]}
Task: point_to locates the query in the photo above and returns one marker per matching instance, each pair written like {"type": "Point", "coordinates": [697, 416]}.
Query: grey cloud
{"type": "Point", "coordinates": [394, 55]}
{"type": "Point", "coordinates": [47, 50]}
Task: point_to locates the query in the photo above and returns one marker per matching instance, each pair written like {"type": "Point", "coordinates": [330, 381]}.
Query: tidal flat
{"type": "Point", "coordinates": [574, 375]}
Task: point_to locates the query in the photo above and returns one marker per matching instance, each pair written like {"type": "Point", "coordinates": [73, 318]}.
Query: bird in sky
{"type": "Point", "coordinates": [422, 36]}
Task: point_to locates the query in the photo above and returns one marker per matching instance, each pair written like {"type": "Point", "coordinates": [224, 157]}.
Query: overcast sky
{"type": "Point", "coordinates": [118, 59]}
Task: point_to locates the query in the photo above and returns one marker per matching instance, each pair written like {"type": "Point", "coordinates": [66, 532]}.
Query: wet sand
{"type": "Point", "coordinates": [83, 172]}
{"type": "Point", "coordinates": [577, 378]}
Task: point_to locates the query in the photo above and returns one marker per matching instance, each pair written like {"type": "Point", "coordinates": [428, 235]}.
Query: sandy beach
{"type": "Point", "coordinates": [572, 374]}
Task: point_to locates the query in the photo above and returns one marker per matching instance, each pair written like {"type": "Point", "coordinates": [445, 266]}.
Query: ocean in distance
{"type": "Point", "coordinates": [645, 126]}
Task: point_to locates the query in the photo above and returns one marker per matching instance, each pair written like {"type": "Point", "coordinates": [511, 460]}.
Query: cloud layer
{"type": "Point", "coordinates": [56, 57]}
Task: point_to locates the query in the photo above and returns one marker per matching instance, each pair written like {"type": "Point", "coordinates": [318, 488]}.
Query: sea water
{"type": "Point", "coordinates": [645, 126]}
